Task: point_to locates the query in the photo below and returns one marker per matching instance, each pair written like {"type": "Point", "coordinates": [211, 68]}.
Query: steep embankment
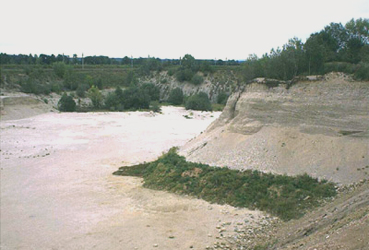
{"type": "Point", "coordinates": [319, 126]}
{"type": "Point", "coordinates": [213, 84]}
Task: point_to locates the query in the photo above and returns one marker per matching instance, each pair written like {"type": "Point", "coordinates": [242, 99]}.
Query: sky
{"type": "Point", "coordinates": [206, 29]}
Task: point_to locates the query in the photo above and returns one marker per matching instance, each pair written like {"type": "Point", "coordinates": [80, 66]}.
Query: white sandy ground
{"type": "Point", "coordinates": [58, 191]}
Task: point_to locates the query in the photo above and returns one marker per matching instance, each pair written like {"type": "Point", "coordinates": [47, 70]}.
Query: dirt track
{"type": "Point", "coordinates": [57, 190]}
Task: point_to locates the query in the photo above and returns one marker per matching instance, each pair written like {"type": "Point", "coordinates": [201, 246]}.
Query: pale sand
{"type": "Point", "coordinates": [58, 191]}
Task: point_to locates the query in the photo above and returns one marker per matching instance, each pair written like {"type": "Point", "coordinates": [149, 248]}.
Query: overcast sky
{"type": "Point", "coordinates": [206, 29]}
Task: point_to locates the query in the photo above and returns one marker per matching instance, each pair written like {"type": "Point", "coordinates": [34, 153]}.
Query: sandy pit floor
{"type": "Point", "coordinates": [58, 191]}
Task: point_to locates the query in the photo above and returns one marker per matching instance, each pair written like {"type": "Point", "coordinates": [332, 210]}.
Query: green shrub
{"type": "Point", "coordinates": [95, 96]}
{"type": "Point", "coordinates": [72, 79]}
{"type": "Point", "coordinates": [362, 72]}
{"type": "Point", "coordinates": [34, 86]}
{"type": "Point", "coordinates": [152, 90]}
{"type": "Point", "coordinates": [284, 196]}
{"type": "Point", "coordinates": [81, 90]}
{"type": "Point", "coordinates": [197, 79]}
{"type": "Point", "coordinates": [135, 98]}
{"type": "Point", "coordinates": [184, 74]}
{"type": "Point", "coordinates": [59, 69]}
{"type": "Point", "coordinates": [171, 72]}
{"type": "Point", "coordinates": [112, 101]}
{"type": "Point", "coordinates": [205, 67]}
{"type": "Point", "coordinates": [344, 67]}
{"type": "Point", "coordinates": [29, 86]}
{"type": "Point", "coordinates": [55, 87]}
{"type": "Point", "coordinates": [155, 106]}
{"type": "Point", "coordinates": [199, 101]}
{"type": "Point", "coordinates": [222, 98]}
{"type": "Point", "coordinates": [217, 107]}
{"type": "Point", "coordinates": [27, 69]}
{"type": "Point", "coordinates": [66, 104]}
{"type": "Point", "coordinates": [97, 82]}
{"type": "Point", "coordinates": [176, 96]}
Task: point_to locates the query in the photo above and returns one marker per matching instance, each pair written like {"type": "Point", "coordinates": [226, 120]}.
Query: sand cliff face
{"type": "Point", "coordinates": [318, 126]}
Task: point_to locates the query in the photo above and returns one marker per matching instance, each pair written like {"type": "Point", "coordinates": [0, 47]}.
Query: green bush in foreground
{"type": "Point", "coordinates": [284, 196]}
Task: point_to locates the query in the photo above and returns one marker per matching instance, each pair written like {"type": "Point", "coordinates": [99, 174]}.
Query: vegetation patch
{"type": "Point", "coordinates": [284, 196]}
{"type": "Point", "coordinates": [346, 132]}
{"type": "Point", "coordinates": [199, 101]}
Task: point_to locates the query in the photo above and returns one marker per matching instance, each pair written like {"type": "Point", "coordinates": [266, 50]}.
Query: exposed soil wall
{"type": "Point", "coordinates": [318, 126]}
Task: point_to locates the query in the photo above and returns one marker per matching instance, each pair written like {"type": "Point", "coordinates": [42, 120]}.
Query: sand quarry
{"type": "Point", "coordinates": [58, 191]}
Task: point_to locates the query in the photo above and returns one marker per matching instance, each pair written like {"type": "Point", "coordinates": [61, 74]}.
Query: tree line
{"type": "Point", "coordinates": [337, 47]}
{"type": "Point", "coordinates": [44, 59]}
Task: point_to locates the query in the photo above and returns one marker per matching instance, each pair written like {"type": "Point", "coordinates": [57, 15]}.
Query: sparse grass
{"type": "Point", "coordinates": [217, 106]}
{"type": "Point", "coordinates": [284, 196]}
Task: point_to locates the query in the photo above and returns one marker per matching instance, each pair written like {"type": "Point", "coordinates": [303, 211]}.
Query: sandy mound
{"type": "Point", "coordinates": [318, 127]}
{"type": "Point", "coordinates": [19, 106]}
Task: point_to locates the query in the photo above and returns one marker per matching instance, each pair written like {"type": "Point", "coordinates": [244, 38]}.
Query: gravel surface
{"type": "Point", "coordinates": [58, 191]}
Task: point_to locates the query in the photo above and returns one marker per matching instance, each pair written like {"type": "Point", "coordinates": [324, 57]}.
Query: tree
{"type": "Point", "coordinates": [359, 29]}
{"type": "Point", "coordinates": [66, 103]}
{"type": "Point", "coordinates": [253, 67]}
{"type": "Point", "coordinates": [96, 97]}
{"type": "Point", "coordinates": [353, 50]}
{"type": "Point", "coordinates": [126, 60]}
{"type": "Point", "coordinates": [315, 54]}
{"type": "Point", "coordinates": [176, 96]}
{"type": "Point", "coordinates": [292, 57]}
{"type": "Point", "coordinates": [275, 66]}
{"type": "Point", "coordinates": [189, 62]}
{"type": "Point", "coordinates": [358, 40]}
{"type": "Point", "coordinates": [335, 37]}
{"type": "Point", "coordinates": [188, 68]}
{"type": "Point", "coordinates": [75, 59]}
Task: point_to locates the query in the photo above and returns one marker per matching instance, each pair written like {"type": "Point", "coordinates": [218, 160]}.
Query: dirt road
{"type": "Point", "coordinates": [58, 191]}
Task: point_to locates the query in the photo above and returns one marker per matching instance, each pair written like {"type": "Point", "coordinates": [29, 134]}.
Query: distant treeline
{"type": "Point", "coordinates": [337, 47]}
{"type": "Point", "coordinates": [44, 59]}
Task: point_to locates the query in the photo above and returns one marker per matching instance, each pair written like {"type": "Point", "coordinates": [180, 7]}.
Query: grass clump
{"type": "Point", "coordinates": [283, 196]}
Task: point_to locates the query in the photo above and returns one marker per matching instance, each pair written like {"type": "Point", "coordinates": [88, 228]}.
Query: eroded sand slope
{"type": "Point", "coordinates": [319, 127]}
